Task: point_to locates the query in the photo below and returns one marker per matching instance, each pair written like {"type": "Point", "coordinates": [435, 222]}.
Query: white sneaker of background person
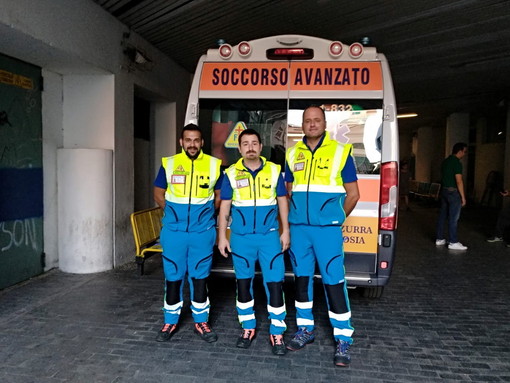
{"type": "Point", "coordinates": [440, 242]}
{"type": "Point", "coordinates": [457, 246]}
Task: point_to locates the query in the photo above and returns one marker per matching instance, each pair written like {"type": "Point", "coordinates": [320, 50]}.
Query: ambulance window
{"type": "Point", "coordinates": [222, 120]}
{"type": "Point", "coordinates": [357, 122]}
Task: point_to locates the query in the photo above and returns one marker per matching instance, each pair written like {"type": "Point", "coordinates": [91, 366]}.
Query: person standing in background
{"type": "Point", "coordinates": [452, 197]}
{"type": "Point", "coordinates": [502, 223]}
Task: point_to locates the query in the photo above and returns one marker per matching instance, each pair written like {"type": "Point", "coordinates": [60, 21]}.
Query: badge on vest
{"type": "Point", "coordinates": [178, 179]}
{"type": "Point", "coordinates": [298, 166]}
{"type": "Point", "coordinates": [242, 183]}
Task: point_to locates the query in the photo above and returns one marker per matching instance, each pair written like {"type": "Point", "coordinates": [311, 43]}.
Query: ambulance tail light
{"type": "Point", "coordinates": [289, 54]}
{"type": "Point", "coordinates": [389, 196]}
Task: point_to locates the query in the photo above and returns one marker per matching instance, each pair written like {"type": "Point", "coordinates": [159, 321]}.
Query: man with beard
{"type": "Point", "coordinates": [187, 188]}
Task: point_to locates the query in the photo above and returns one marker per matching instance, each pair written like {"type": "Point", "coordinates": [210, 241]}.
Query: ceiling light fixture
{"type": "Point", "coordinates": [407, 115]}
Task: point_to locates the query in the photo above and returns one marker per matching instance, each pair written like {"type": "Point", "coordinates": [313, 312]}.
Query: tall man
{"type": "Point", "coordinates": [321, 176]}
{"type": "Point", "coordinates": [185, 189]}
{"type": "Point", "coordinates": [452, 197]}
{"type": "Point", "coordinates": [254, 189]}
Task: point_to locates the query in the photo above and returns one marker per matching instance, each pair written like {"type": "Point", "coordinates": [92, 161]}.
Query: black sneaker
{"type": "Point", "coordinates": [206, 332]}
{"type": "Point", "coordinates": [300, 339]}
{"type": "Point", "coordinates": [166, 332]}
{"type": "Point", "coordinates": [494, 239]}
{"type": "Point", "coordinates": [244, 340]}
{"type": "Point", "coordinates": [342, 357]}
{"type": "Point", "coordinates": [278, 344]}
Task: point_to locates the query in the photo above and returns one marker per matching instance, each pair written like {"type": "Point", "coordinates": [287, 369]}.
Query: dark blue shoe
{"type": "Point", "coordinates": [300, 339]}
{"type": "Point", "coordinates": [342, 357]}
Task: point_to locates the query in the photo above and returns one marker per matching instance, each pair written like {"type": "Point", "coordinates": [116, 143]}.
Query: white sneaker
{"type": "Point", "coordinates": [440, 242]}
{"type": "Point", "coordinates": [495, 239]}
{"type": "Point", "coordinates": [457, 246]}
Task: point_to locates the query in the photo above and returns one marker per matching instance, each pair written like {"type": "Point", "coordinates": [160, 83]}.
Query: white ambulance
{"type": "Point", "coordinates": [266, 84]}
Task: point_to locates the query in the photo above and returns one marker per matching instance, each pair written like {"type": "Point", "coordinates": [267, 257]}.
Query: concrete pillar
{"type": "Point", "coordinates": [457, 130]}
{"type": "Point", "coordinates": [85, 218]}
{"type": "Point", "coordinates": [425, 143]}
{"type": "Point", "coordinates": [85, 174]}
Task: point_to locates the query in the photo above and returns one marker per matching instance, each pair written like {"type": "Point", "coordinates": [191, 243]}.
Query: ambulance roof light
{"type": "Point", "coordinates": [335, 48]}
{"type": "Point", "coordinates": [289, 53]}
{"type": "Point", "coordinates": [244, 48]}
{"type": "Point", "coordinates": [355, 50]}
{"type": "Point", "coordinates": [226, 51]}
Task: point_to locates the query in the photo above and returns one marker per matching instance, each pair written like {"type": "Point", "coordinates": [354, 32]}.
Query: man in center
{"type": "Point", "coordinates": [252, 195]}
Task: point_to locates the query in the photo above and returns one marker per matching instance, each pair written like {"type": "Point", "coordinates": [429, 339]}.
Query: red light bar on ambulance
{"type": "Point", "coordinates": [389, 196]}
{"type": "Point", "coordinates": [289, 54]}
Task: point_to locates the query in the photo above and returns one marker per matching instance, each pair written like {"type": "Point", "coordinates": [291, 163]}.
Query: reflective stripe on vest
{"type": "Point", "coordinates": [249, 191]}
{"type": "Point", "coordinates": [191, 182]}
{"type": "Point", "coordinates": [320, 171]}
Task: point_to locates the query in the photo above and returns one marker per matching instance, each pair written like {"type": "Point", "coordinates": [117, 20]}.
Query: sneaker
{"type": "Point", "coordinates": [342, 357]}
{"type": "Point", "coordinates": [457, 246]}
{"type": "Point", "coordinates": [440, 242]}
{"type": "Point", "coordinates": [166, 332]}
{"type": "Point", "coordinates": [300, 339]}
{"type": "Point", "coordinates": [508, 245]}
{"type": "Point", "coordinates": [495, 239]}
{"type": "Point", "coordinates": [245, 338]}
{"type": "Point", "coordinates": [278, 344]}
{"type": "Point", "coordinates": [206, 332]}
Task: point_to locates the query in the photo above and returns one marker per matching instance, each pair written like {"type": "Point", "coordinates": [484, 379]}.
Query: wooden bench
{"type": "Point", "coordinates": [146, 228]}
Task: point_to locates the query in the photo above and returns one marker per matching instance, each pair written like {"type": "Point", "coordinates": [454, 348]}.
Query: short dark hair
{"type": "Point", "coordinates": [458, 147]}
{"type": "Point", "coordinates": [318, 107]}
{"type": "Point", "coordinates": [250, 132]}
{"type": "Point", "coordinates": [191, 127]}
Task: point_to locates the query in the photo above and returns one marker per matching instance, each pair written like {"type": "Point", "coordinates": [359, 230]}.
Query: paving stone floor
{"type": "Point", "coordinates": [443, 317]}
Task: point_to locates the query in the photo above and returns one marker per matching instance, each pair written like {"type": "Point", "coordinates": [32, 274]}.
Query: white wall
{"type": "Point", "coordinates": [88, 97]}
{"type": "Point", "coordinates": [89, 111]}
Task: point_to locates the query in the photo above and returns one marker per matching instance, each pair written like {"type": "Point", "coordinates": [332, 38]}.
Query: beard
{"type": "Point", "coordinates": [192, 156]}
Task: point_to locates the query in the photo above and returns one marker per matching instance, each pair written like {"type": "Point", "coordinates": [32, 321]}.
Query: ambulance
{"type": "Point", "coordinates": [265, 84]}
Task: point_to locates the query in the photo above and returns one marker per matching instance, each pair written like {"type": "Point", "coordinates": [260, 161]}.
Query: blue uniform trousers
{"type": "Point", "coordinates": [191, 253]}
{"type": "Point", "coordinates": [247, 249]}
{"type": "Point", "coordinates": [323, 244]}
